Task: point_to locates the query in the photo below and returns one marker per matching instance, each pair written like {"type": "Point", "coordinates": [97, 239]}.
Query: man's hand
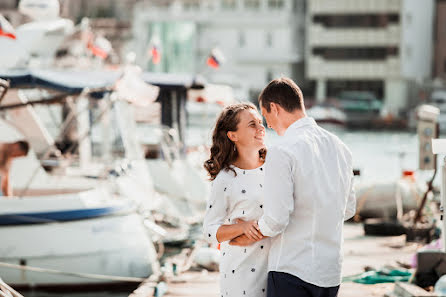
{"type": "Point", "coordinates": [242, 240]}
{"type": "Point", "coordinates": [250, 229]}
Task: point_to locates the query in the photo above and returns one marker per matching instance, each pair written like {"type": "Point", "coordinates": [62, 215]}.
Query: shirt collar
{"type": "Point", "coordinates": [305, 121]}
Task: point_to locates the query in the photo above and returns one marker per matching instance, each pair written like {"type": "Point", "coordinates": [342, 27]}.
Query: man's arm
{"type": "Point", "coordinates": [278, 191]}
{"type": "Point", "coordinates": [350, 208]}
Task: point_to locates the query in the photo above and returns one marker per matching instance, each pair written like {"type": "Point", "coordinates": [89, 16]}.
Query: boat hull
{"type": "Point", "coordinates": [113, 246]}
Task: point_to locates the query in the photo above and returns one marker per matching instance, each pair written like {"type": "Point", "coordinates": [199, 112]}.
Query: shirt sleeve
{"type": "Point", "coordinates": [278, 191]}
{"type": "Point", "coordinates": [350, 208]}
{"type": "Point", "coordinates": [216, 209]}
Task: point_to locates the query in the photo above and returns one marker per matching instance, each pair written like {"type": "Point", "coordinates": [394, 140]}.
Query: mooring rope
{"type": "Point", "coordinates": [76, 274]}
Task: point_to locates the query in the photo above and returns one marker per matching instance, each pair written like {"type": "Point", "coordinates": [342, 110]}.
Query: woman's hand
{"type": "Point", "coordinates": [250, 229]}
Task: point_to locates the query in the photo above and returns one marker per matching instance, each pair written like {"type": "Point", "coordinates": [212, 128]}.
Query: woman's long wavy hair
{"type": "Point", "coordinates": [223, 151]}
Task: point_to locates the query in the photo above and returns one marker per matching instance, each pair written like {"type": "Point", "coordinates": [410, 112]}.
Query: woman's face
{"type": "Point", "coordinates": [250, 130]}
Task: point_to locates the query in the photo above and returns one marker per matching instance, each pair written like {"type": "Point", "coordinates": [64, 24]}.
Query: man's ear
{"type": "Point", "coordinates": [274, 108]}
{"type": "Point", "coordinates": [232, 136]}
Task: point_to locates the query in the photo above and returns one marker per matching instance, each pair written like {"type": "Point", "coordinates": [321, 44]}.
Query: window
{"type": "Point", "coordinates": [241, 39]}
{"type": "Point", "coordinates": [408, 51]}
{"type": "Point", "coordinates": [269, 76]}
{"type": "Point", "coordinates": [353, 53]}
{"type": "Point", "coordinates": [252, 4]}
{"type": "Point", "coordinates": [269, 39]}
{"type": "Point", "coordinates": [228, 4]}
{"type": "Point", "coordinates": [209, 5]}
{"type": "Point", "coordinates": [408, 19]}
{"type": "Point", "coordinates": [276, 4]}
{"type": "Point", "coordinates": [191, 5]}
{"type": "Point", "coordinates": [356, 20]}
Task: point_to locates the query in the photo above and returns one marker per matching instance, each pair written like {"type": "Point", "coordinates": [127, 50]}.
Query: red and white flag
{"type": "Point", "coordinates": [6, 30]}
{"type": "Point", "coordinates": [99, 46]}
{"type": "Point", "coordinates": [155, 50]}
{"type": "Point", "coordinates": [215, 59]}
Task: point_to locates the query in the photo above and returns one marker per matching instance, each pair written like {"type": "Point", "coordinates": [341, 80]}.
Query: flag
{"type": "Point", "coordinates": [156, 55]}
{"type": "Point", "coordinates": [99, 46]}
{"type": "Point", "coordinates": [215, 59]}
{"type": "Point", "coordinates": [155, 50]}
{"type": "Point", "coordinates": [6, 29]}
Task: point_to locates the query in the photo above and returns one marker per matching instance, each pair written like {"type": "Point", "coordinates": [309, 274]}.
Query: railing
{"type": "Point", "coordinates": [7, 291]}
{"type": "Point", "coordinates": [351, 69]}
{"type": "Point", "coordinates": [354, 6]}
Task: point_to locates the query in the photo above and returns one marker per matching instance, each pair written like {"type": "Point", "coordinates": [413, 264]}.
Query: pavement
{"type": "Point", "coordinates": [359, 251]}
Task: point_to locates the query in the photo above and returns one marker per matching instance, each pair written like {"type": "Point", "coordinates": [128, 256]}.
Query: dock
{"type": "Point", "coordinates": [360, 251]}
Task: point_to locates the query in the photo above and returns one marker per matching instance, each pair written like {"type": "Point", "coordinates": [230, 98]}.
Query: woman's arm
{"type": "Point", "coordinates": [229, 232]}
{"type": "Point", "coordinates": [216, 209]}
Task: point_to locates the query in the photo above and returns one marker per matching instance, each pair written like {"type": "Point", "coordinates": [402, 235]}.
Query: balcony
{"type": "Point", "coordinates": [319, 68]}
{"type": "Point", "coordinates": [353, 6]}
{"type": "Point", "coordinates": [269, 56]}
{"type": "Point", "coordinates": [320, 36]}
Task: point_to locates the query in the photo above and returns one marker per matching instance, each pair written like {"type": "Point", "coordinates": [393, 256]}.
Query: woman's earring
{"type": "Point", "coordinates": [234, 147]}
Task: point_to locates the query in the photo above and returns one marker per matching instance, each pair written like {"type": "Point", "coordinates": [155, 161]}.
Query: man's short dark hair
{"type": "Point", "coordinates": [284, 92]}
{"type": "Point", "coordinates": [24, 146]}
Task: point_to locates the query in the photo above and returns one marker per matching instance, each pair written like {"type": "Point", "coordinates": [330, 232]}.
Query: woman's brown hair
{"type": "Point", "coordinates": [223, 152]}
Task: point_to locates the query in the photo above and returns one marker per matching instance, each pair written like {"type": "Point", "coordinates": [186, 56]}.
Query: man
{"type": "Point", "coordinates": [308, 195]}
{"type": "Point", "coordinates": [9, 151]}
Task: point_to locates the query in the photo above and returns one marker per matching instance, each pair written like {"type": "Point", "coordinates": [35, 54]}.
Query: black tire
{"type": "Point", "coordinates": [382, 227]}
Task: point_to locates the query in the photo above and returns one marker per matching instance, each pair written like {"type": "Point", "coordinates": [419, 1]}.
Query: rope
{"type": "Point", "coordinates": [76, 274]}
{"type": "Point", "coordinates": [9, 291]}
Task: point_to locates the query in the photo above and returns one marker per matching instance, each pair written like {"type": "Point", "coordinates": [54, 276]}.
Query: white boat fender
{"type": "Point", "coordinates": [160, 289]}
{"type": "Point", "coordinates": [208, 258]}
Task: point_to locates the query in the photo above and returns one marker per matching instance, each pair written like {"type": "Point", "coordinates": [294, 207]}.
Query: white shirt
{"type": "Point", "coordinates": [308, 195]}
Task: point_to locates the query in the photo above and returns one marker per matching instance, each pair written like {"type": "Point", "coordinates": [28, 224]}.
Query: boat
{"type": "Point", "coordinates": [73, 225]}
{"type": "Point", "coordinates": [75, 218]}
{"type": "Point", "coordinates": [167, 185]}
{"type": "Point", "coordinates": [388, 199]}
{"type": "Point", "coordinates": [362, 108]}
{"type": "Point", "coordinates": [327, 114]}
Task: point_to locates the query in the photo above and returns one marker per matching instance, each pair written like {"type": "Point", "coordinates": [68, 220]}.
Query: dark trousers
{"type": "Point", "coordinates": [281, 284]}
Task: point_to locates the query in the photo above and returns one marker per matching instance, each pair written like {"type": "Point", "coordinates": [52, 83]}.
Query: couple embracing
{"type": "Point", "coordinates": [278, 213]}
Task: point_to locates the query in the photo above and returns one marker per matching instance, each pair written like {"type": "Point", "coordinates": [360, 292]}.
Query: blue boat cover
{"type": "Point", "coordinates": [74, 81]}
{"type": "Point", "coordinates": [63, 216]}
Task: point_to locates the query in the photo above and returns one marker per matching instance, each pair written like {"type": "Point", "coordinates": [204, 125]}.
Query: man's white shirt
{"type": "Point", "coordinates": [308, 195]}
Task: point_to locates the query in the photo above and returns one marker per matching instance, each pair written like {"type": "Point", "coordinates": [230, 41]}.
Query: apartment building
{"type": "Point", "coordinates": [380, 46]}
{"type": "Point", "coordinates": [259, 39]}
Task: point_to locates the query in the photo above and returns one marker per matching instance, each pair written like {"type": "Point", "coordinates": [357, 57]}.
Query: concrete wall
{"type": "Point", "coordinates": [440, 40]}
{"type": "Point", "coordinates": [395, 95]}
{"type": "Point", "coordinates": [416, 42]}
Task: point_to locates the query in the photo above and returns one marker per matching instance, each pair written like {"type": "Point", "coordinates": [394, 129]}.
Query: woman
{"type": "Point", "coordinates": [236, 202]}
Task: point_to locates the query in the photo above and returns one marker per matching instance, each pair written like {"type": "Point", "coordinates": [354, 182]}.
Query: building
{"type": "Point", "coordinates": [440, 41]}
{"type": "Point", "coordinates": [260, 39]}
{"type": "Point", "coordinates": [382, 46]}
